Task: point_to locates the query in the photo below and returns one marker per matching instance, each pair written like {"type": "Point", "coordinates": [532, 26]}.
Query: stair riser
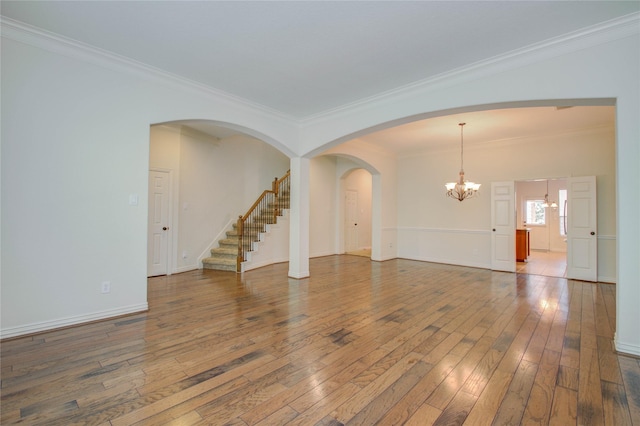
{"type": "Point", "coordinates": [231, 268]}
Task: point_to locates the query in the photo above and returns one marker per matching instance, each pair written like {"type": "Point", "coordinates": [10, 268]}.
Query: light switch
{"type": "Point", "coordinates": [133, 199]}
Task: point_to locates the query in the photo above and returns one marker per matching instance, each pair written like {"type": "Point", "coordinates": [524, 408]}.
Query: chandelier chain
{"type": "Point", "coordinates": [462, 147]}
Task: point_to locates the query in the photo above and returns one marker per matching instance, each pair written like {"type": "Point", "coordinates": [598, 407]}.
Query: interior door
{"type": "Point", "coordinates": [582, 239]}
{"type": "Point", "coordinates": [503, 226]}
{"type": "Point", "coordinates": [351, 218]}
{"type": "Point", "coordinates": [158, 223]}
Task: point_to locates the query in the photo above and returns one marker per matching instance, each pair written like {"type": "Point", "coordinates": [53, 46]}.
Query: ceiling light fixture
{"type": "Point", "coordinates": [546, 203]}
{"type": "Point", "coordinates": [462, 189]}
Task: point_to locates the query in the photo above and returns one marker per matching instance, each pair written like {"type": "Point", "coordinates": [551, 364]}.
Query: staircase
{"type": "Point", "coordinates": [242, 239]}
{"type": "Point", "coordinates": [224, 257]}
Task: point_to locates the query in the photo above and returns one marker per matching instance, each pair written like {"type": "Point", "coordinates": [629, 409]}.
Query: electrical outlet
{"type": "Point", "coordinates": [106, 287]}
{"type": "Point", "coordinates": [184, 254]}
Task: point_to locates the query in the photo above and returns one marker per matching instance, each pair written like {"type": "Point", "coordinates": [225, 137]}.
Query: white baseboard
{"type": "Point", "coordinates": [248, 266]}
{"type": "Point", "coordinates": [322, 254]}
{"type": "Point", "coordinates": [299, 276]}
{"type": "Point", "coordinates": [186, 268]}
{"type": "Point", "coordinates": [627, 348]}
{"type": "Point", "coordinates": [455, 262]}
{"type": "Point", "coordinates": [69, 321]}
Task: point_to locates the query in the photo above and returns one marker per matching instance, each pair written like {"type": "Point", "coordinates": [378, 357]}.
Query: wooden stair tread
{"type": "Point", "coordinates": [219, 261]}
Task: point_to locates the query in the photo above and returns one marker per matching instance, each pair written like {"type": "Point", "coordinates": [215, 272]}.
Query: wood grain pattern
{"type": "Point", "coordinates": [358, 343]}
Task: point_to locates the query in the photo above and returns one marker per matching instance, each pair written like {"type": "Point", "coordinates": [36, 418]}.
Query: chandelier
{"type": "Point", "coordinates": [461, 189]}
{"type": "Point", "coordinates": [546, 203]}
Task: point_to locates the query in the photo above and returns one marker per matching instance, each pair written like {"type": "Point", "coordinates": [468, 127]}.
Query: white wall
{"type": "Point", "coordinates": [462, 229]}
{"type": "Point", "coordinates": [323, 221]}
{"type": "Point", "coordinates": [330, 175]}
{"type": "Point", "coordinates": [603, 64]}
{"type": "Point", "coordinates": [382, 167]}
{"type": "Point", "coordinates": [215, 181]}
{"type": "Point", "coordinates": [75, 145]}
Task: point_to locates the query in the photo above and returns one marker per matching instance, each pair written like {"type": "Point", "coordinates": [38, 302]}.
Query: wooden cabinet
{"type": "Point", "coordinates": [522, 245]}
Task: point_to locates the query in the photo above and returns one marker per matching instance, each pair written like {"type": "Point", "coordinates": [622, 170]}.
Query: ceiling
{"type": "Point", "coordinates": [482, 127]}
{"type": "Point", "coordinates": [309, 57]}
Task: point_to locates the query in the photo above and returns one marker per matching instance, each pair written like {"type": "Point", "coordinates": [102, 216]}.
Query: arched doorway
{"type": "Point", "coordinates": [211, 174]}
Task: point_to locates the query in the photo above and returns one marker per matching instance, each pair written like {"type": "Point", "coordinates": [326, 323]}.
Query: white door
{"type": "Point", "coordinates": [351, 217]}
{"type": "Point", "coordinates": [503, 226]}
{"type": "Point", "coordinates": [582, 239]}
{"type": "Point", "coordinates": [158, 223]}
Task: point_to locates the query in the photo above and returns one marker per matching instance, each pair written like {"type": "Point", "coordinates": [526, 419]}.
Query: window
{"type": "Point", "coordinates": [535, 212]}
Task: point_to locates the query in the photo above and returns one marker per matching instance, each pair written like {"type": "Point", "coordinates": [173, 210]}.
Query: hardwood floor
{"type": "Point", "coordinates": [547, 263]}
{"type": "Point", "coordinates": [358, 343]}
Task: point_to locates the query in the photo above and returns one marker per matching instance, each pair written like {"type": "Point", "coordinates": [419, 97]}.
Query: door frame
{"type": "Point", "coordinates": [172, 229]}
{"type": "Point", "coordinates": [569, 251]}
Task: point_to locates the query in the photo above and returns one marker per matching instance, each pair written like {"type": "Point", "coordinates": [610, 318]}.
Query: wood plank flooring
{"type": "Point", "coordinates": [547, 263]}
{"type": "Point", "coordinates": [358, 343]}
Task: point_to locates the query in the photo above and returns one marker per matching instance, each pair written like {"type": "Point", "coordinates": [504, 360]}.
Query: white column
{"type": "Point", "coordinates": [299, 219]}
{"type": "Point", "coordinates": [376, 217]}
{"type": "Point", "coordinates": [628, 228]}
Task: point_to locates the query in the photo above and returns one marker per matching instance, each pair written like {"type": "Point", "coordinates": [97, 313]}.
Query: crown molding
{"type": "Point", "coordinates": [55, 43]}
{"type": "Point", "coordinates": [601, 33]}
{"type": "Point", "coordinates": [595, 35]}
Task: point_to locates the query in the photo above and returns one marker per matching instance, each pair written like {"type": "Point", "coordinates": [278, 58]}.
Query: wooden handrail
{"type": "Point", "coordinates": [252, 223]}
{"type": "Point", "coordinates": [256, 204]}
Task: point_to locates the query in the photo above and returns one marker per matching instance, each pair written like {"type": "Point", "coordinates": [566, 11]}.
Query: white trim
{"type": "Point", "coordinates": [248, 265]}
{"type": "Point", "coordinates": [445, 230]}
{"type": "Point", "coordinates": [298, 276]}
{"type": "Point", "coordinates": [607, 237]}
{"type": "Point", "coordinates": [186, 268]}
{"type": "Point", "coordinates": [446, 261]}
{"type": "Point", "coordinates": [324, 254]}
{"type": "Point", "coordinates": [52, 42]}
{"type": "Point", "coordinates": [207, 251]}
{"type": "Point", "coordinates": [605, 279]}
{"type": "Point", "coordinates": [69, 321]}
{"type": "Point", "coordinates": [626, 348]}
{"type": "Point", "coordinates": [601, 33]}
